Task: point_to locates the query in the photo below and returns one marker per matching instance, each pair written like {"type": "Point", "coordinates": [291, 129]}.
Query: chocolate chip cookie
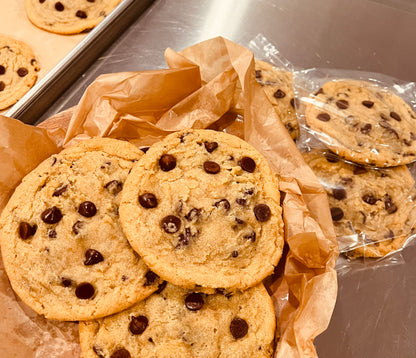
{"type": "Point", "coordinates": [18, 70]}
{"type": "Point", "coordinates": [375, 207]}
{"type": "Point", "coordinates": [175, 322]}
{"type": "Point", "coordinates": [61, 241]}
{"type": "Point", "coordinates": [68, 16]}
{"type": "Point", "coordinates": [363, 123]}
{"type": "Point", "coordinates": [202, 209]}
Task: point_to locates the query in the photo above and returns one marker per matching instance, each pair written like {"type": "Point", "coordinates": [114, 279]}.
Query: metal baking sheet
{"type": "Point", "coordinates": [36, 101]}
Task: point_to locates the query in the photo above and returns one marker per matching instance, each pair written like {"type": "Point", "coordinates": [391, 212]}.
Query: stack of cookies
{"type": "Point", "coordinates": [160, 254]}
{"type": "Point", "coordinates": [371, 136]}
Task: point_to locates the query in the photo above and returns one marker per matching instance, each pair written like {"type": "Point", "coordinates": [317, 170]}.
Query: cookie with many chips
{"type": "Point", "coordinates": [202, 209]}
{"type": "Point", "coordinates": [175, 322]}
{"type": "Point", "coordinates": [61, 241]}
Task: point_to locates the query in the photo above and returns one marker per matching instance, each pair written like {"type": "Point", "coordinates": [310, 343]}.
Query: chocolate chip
{"type": "Point", "coordinates": [279, 94]}
{"type": "Point", "coordinates": [167, 162]}
{"type": "Point", "coordinates": [194, 213]}
{"type": "Point", "coordinates": [247, 164]}
{"type": "Point", "coordinates": [364, 217]}
{"type": "Point", "coordinates": [148, 200]}
{"type": "Point", "coordinates": [59, 191]}
{"type": "Point", "coordinates": [211, 167]}
{"type": "Point", "coordinates": [366, 128]}
{"type": "Point", "coordinates": [337, 214]}
{"type": "Point", "coordinates": [251, 236]}
{"type": "Point", "coordinates": [59, 6]}
{"type": "Point", "coordinates": [238, 327]}
{"type": "Point", "coordinates": [161, 287]}
{"type": "Point", "coordinates": [342, 104]}
{"type": "Point", "coordinates": [224, 203]}
{"type": "Point", "coordinates": [77, 226]}
{"type": "Point", "coordinates": [211, 146]}
{"type": "Point", "coordinates": [194, 301]}
{"type": "Point", "coordinates": [81, 14]}
{"type": "Point", "coordinates": [114, 186]}
{"type": "Point", "coordinates": [98, 350]}
{"type": "Point", "coordinates": [84, 291]}
{"type": "Point", "coordinates": [324, 117]}
{"type": "Point", "coordinates": [51, 215]}
{"type": "Point", "coordinates": [368, 104]}
{"type": "Point", "coordinates": [331, 157]}
{"type": "Point", "coordinates": [359, 170]}
{"type": "Point", "coordinates": [2, 70]}
{"type": "Point", "coordinates": [389, 205]}
{"type": "Point", "coordinates": [144, 149]}
{"type": "Point", "coordinates": [2, 86]}
{"type": "Point", "coordinates": [22, 72]}
{"type": "Point", "coordinates": [52, 234]}
{"type": "Point", "coordinates": [319, 91]}
{"type": "Point", "coordinates": [293, 102]}
{"type": "Point", "coordinates": [121, 353]}
{"type": "Point", "coordinates": [339, 193]}
{"type": "Point", "coordinates": [262, 212]}
{"type": "Point", "coordinates": [258, 74]}
{"type": "Point", "coordinates": [92, 257]}
{"type": "Point", "coordinates": [346, 180]}
{"type": "Point", "coordinates": [66, 282]}
{"type": "Point", "coordinates": [239, 221]}
{"type": "Point", "coordinates": [384, 117]}
{"type": "Point", "coordinates": [395, 116]}
{"type": "Point", "coordinates": [91, 0]}
{"type": "Point", "coordinates": [369, 199]}
{"type": "Point", "coordinates": [282, 197]}
{"type": "Point", "coordinates": [182, 242]}
{"type": "Point", "coordinates": [407, 142]}
{"type": "Point", "coordinates": [151, 277]}
{"type": "Point", "coordinates": [138, 324]}
{"type": "Point", "coordinates": [241, 201]}
{"type": "Point", "coordinates": [26, 230]}
{"type": "Point", "coordinates": [389, 235]}
{"type": "Point", "coordinates": [234, 254]}
{"type": "Point", "coordinates": [249, 191]}
{"type": "Point", "coordinates": [171, 224]}
{"type": "Point", "coordinates": [87, 209]}
{"type": "Point", "coordinates": [124, 278]}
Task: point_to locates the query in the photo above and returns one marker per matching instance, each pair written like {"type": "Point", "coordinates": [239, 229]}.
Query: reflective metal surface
{"type": "Point", "coordinates": [375, 314]}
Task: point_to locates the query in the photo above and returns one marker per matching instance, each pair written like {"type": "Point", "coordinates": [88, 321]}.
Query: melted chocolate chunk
{"type": "Point", "coordinates": [324, 117]}
{"type": "Point", "coordinates": [224, 203]}
{"type": "Point", "coordinates": [194, 301]}
{"type": "Point", "coordinates": [59, 6]}
{"type": "Point", "coordinates": [234, 254]}
{"type": "Point", "coordinates": [238, 327]}
{"type": "Point", "coordinates": [395, 116]}
{"type": "Point", "coordinates": [342, 104]}
{"type": "Point", "coordinates": [389, 205]}
{"type": "Point", "coordinates": [22, 72]}
{"type": "Point", "coordinates": [389, 128]}
{"type": "Point", "coordinates": [52, 234]}
{"type": "Point", "coordinates": [247, 164]}
{"type": "Point", "coordinates": [331, 157]}
{"type": "Point", "coordinates": [239, 221]}
{"type": "Point", "coordinates": [167, 162]}
{"type": "Point", "coordinates": [279, 94]}
{"type": "Point", "coordinates": [2, 86]}
{"type": "Point", "coordinates": [77, 226]}
{"type": "Point", "coordinates": [369, 199]}
{"type": "Point", "coordinates": [337, 214]}
{"type": "Point", "coordinates": [241, 201]}
{"type": "Point", "coordinates": [258, 74]}
{"type": "Point", "coordinates": [367, 104]}
{"type": "Point", "coordinates": [92, 257]}
{"type": "Point", "coordinates": [161, 287]}
{"type": "Point", "coordinates": [114, 187]}
{"type": "Point", "coordinates": [2, 70]}
{"type": "Point", "coordinates": [339, 193]}
{"type": "Point", "coordinates": [138, 324]}
{"type": "Point", "coordinates": [87, 209]}
{"type": "Point", "coordinates": [262, 212]}
{"type": "Point", "coordinates": [193, 214]}
{"type": "Point", "coordinates": [211, 146]}
{"type": "Point", "coordinates": [144, 149]}
{"type": "Point", "coordinates": [211, 167]}
{"type": "Point", "coordinates": [151, 278]}
{"type": "Point", "coordinates": [60, 190]}
{"type": "Point", "coordinates": [81, 14]}
{"type": "Point", "coordinates": [26, 230]}
{"type": "Point", "coordinates": [66, 282]}
{"type": "Point", "coordinates": [51, 215]}
{"type": "Point", "coordinates": [84, 291]}
{"type": "Point", "coordinates": [148, 200]}
{"type": "Point", "coordinates": [251, 236]}
{"type": "Point", "coordinates": [121, 353]}
{"type": "Point", "coordinates": [366, 128]}
{"type": "Point", "coordinates": [171, 224]}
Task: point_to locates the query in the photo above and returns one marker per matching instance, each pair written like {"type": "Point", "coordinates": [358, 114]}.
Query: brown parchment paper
{"type": "Point", "coordinates": [142, 107]}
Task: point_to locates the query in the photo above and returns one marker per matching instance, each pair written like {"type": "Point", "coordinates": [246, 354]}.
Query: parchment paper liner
{"type": "Point", "coordinates": [142, 107]}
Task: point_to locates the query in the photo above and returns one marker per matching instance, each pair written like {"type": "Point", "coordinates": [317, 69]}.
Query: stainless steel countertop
{"type": "Point", "coordinates": [375, 314]}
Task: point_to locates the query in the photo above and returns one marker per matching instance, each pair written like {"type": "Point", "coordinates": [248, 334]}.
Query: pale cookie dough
{"type": "Point", "coordinates": [202, 209]}
{"type": "Point", "coordinates": [376, 204]}
{"type": "Point", "coordinates": [363, 123]}
{"type": "Point", "coordinates": [61, 241]}
{"type": "Point", "coordinates": [68, 16]}
{"type": "Point", "coordinates": [185, 324]}
{"type": "Point", "coordinates": [18, 70]}
{"type": "Point", "coordinates": [278, 87]}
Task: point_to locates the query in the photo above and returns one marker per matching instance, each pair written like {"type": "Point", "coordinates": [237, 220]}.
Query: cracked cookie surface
{"type": "Point", "coordinates": [202, 209]}
{"type": "Point", "coordinates": [175, 322]}
{"type": "Point", "coordinates": [61, 240]}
